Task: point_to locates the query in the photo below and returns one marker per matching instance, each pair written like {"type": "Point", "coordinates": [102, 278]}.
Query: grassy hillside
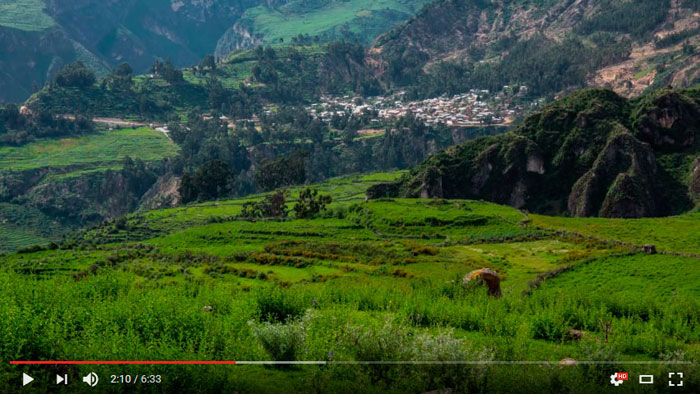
{"type": "Point", "coordinates": [361, 18]}
{"type": "Point", "coordinates": [661, 232]}
{"type": "Point", "coordinates": [29, 15]}
{"type": "Point", "coordinates": [366, 281]}
{"type": "Point", "coordinates": [98, 152]}
{"type": "Point", "coordinates": [44, 180]}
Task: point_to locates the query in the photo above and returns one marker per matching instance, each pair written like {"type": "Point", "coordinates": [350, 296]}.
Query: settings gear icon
{"type": "Point", "coordinates": [614, 380]}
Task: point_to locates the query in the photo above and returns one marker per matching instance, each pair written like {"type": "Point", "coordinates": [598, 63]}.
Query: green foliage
{"type": "Point", "coordinates": [283, 341]}
{"type": "Point", "coordinates": [304, 21]}
{"type": "Point", "coordinates": [275, 305]}
{"type": "Point", "coordinates": [92, 152]}
{"type": "Point", "coordinates": [29, 15]}
{"type": "Point", "coordinates": [272, 206]}
{"type": "Point", "coordinates": [75, 75]}
{"type": "Point", "coordinates": [200, 284]}
{"type": "Point", "coordinates": [210, 181]}
{"type": "Point", "coordinates": [636, 17]}
{"type": "Point", "coordinates": [310, 203]}
{"type": "Point", "coordinates": [17, 128]}
{"type": "Point", "coordinates": [285, 171]}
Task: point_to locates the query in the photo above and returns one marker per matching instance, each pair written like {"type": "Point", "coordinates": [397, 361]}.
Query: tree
{"type": "Point", "coordinates": [210, 181]}
{"type": "Point", "coordinates": [218, 96]}
{"type": "Point", "coordinates": [310, 203]}
{"type": "Point", "coordinates": [272, 206]}
{"type": "Point", "coordinates": [290, 170]}
{"type": "Point", "coordinates": [209, 62]}
{"type": "Point", "coordinates": [75, 75]}
{"type": "Point", "coordinates": [120, 78]}
{"type": "Point", "coordinates": [170, 73]}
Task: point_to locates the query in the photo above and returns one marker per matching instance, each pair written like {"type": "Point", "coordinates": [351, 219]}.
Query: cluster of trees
{"type": "Point", "coordinates": [167, 71]}
{"type": "Point", "coordinates": [18, 128]}
{"type": "Point", "coordinates": [289, 147]}
{"type": "Point", "coordinates": [309, 205]}
{"type": "Point", "coordinates": [121, 78]}
{"type": "Point", "coordinates": [75, 75]}
{"type": "Point", "coordinates": [210, 181]}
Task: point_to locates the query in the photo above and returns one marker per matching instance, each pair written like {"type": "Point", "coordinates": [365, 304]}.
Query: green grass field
{"type": "Point", "coordinates": [366, 281]}
{"type": "Point", "coordinates": [22, 226]}
{"type": "Point", "coordinates": [26, 15]}
{"type": "Point", "coordinates": [672, 234]}
{"type": "Point", "coordinates": [96, 152]}
{"type": "Point", "coordinates": [366, 18]}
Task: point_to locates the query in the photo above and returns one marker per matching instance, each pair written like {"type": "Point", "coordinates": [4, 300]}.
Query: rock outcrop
{"type": "Point", "coordinates": [590, 154]}
{"type": "Point", "coordinates": [668, 121]}
{"type": "Point", "coordinates": [619, 183]}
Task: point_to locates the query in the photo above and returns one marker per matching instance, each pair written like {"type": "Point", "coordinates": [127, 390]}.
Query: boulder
{"type": "Point", "coordinates": [488, 276]}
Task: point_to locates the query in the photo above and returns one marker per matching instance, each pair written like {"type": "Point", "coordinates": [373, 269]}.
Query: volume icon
{"type": "Point", "coordinates": [91, 379]}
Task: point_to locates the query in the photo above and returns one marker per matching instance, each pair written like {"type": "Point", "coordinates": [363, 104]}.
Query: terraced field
{"type": "Point", "coordinates": [26, 15]}
{"type": "Point", "coordinates": [365, 281]}
{"type": "Point", "coordinates": [96, 152]}
{"type": "Point", "coordinates": [53, 161]}
{"type": "Point", "coordinates": [366, 19]}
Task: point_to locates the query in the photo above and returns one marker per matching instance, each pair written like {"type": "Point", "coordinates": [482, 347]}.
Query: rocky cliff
{"type": "Point", "coordinates": [593, 153]}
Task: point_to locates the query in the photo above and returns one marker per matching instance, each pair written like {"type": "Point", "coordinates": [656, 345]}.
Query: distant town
{"type": "Point", "coordinates": [471, 109]}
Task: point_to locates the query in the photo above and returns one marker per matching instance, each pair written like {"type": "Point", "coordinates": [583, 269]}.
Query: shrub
{"type": "Point", "coordinates": [310, 203]}
{"type": "Point", "coordinates": [274, 305]}
{"type": "Point", "coordinates": [548, 325]}
{"type": "Point", "coordinates": [273, 206]}
{"type": "Point", "coordinates": [283, 342]}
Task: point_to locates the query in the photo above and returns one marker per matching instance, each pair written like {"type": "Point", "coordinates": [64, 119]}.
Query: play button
{"type": "Point", "coordinates": [26, 379]}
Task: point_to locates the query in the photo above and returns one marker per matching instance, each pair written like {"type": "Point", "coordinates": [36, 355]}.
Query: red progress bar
{"type": "Point", "coordinates": [121, 362]}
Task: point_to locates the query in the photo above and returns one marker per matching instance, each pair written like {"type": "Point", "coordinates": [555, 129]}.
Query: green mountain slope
{"type": "Point", "coordinates": [51, 187]}
{"type": "Point", "coordinates": [593, 153]}
{"type": "Point", "coordinates": [38, 37]}
{"type": "Point", "coordinates": [316, 20]}
{"type": "Point", "coordinates": [364, 281]}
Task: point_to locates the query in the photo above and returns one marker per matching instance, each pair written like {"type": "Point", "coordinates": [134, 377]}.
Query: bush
{"type": "Point", "coordinates": [274, 305]}
{"type": "Point", "coordinates": [549, 325]}
{"type": "Point", "coordinates": [311, 203]}
{"type": "Point", "coordinates": [272, 206]}
{"type": "Point", "coordinates": [283, 342]}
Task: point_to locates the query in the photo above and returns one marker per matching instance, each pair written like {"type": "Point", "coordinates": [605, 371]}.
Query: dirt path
{"type": "Point", "coordinates": [118, 122]}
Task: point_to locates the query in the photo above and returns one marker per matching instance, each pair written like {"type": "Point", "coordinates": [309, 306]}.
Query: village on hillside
{"type": "Point", "coordinates": [471, 109]}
